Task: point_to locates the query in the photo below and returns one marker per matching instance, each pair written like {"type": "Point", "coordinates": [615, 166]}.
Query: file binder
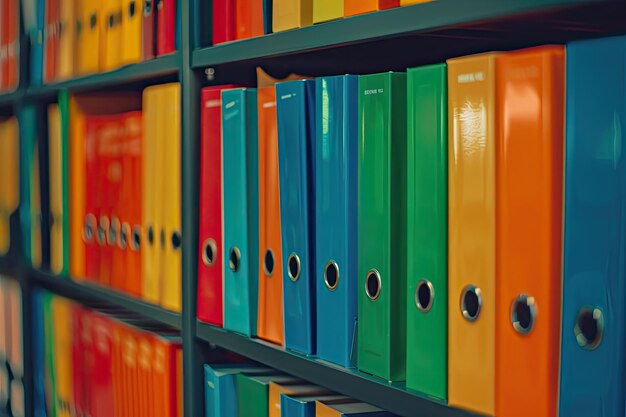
{"type": "Point", "coordinates": [304, 405]}
{"type": "Point", "coordinates": [341, 408]}
{"type": "Point", "coordinates": [38, 352]}
{"type": "Point", "coordinates": [529, 172]}
{"type": "Point", "coordinates": [166, 24]}
{"type": "Point", "coordinates": [33, 12]}
{"type": "Point", "coordinates": [112, 30]}
{"type": "Point", "coordinates": [91, 237]}
{"type": "Point", "coordinates": [11, 40]}
{"type": "Point", "coordinates": [354, 7]}
{"type": "Point", "coordinates": [249, 18]}
{"type": "Point", "coordinates": [51, 40]}
{"type": "Point", "coordinates": [9, 172]}
{"type": "Point", "coordinates": [132, 32]}
{"type": "Point", "coordinates": [101, 396]}
{"type": "Point", "coordinates": [67, 37]}
{"type": "Point", "coordinates": [270, 310]}
{"type": "Point", "coordinates": [55, 150]}
{"type": "Point", "coordinates": [276, 390]}
{"type": "Point", "coordinates": [253, 392]}
{"type": "Point", "coordinates": [593, 333]}
{"type": "Point", "coordinates": [427, 230]}
{"type": "Point", "coordinates": [223, 21]}
{"type": "Point", "coordinates": [324, 10]}
{"type": "Point", "coordinates": [210, 260]}
{"type": "Point", "coordinates": [220, 393]}
{"type": "Point", "coordinates": [336, 130]}
{"type": "Point", "coordinates": [291, 14]}
{"type": "Point", "coordinates": [381, 225]}
{"type": "Point", "coordinates": [295, 111]}
{"type": "Point", "coordinates": [92, 36]}
{"type": "Point", "coordinates": [171, 256]}
{"type": "Point", "coordinates": [471, 232]}
{"type": "Point", "coordinates": [241, 210]}
{"type": "Point", "coordinates": [62, 311]}
{"type": "Point", "coordinates": [149, 29]}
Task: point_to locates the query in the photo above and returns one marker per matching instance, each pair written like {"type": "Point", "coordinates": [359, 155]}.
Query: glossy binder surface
{"type": "Point", "coordinates": [427, 230]}
{"type": "Point", "coordinates": [241, 222]}
{"type": "Point", "coordinates": [594, 228]}
{"type": "Point", "coordinates": [223, 21]}
{"type": "Point", "coordinates": [148, 29]}
{"type": "Point", "coordinates": [277, 390]}
{"type": "Point", "coordinates": [210, 259]}
{"type": "Point", "coordinates": [324, 10]}
{"type": "Point", "coordinates": [132, 31]}
{"type": "Point", "coordinates": [381, 225]}
{"type": "Point", "coordinates": [471, 232]}
{"type": "Point", "coordinates": [249, 18]}
{"type": "Point", "coordinates": [336, 130]}
{"type": "Point", "coordinates": [295, 109]}
{"type": "Point", "coordinates": [166, 26]}
{"type": "Point", "coordinates": [9, 172]}
{"type": "Point", "coordinates": [270, 309]}
{"type": "Point", "coordinates": [221, 391]}
{"type": "Point", "coordinates": [528, 230]}
{"type": "Point", "coordinates": [291, 14]}
{"type": "Point", "coordinates": [253, 392]}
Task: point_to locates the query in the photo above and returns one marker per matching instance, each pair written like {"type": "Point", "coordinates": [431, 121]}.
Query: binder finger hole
{"type": "Point", "coordinates": [124, 235]}
{"type": "Point", "coordinates": [268, 262]}
{"type": "Point", "coordinates": [135, 241]}
{"type": "Point", "coordinates": [147, 9]}
{"type": "Point", "coordinates": [372, 284]}
{"type": "Point", "coordinates": [90, 228]}
{"type": "Point", "coordinates": [424, 296]}
{"type": "Point", "coordinates": [93, 21]}
{"type": "Point", "coordinates": [131, 9]}
{"type": "Point", "coordinates": [209, 252]}
{"type": "Point", "coordinates": [471, 302]}
{"type": "Point", "coordinates": [150, 235]}
{"type": "Point", "coordinates": [113, 231]}
{"type": "Point", "coordinates": [589, 327]}
{"type": "Point", "coordinates": [331, 275]}
{"type": "Point", "coordinates": [523, 313]}
{"type": "Point", "coordinates": [293, 267]}
{"type": "Point", "coordinates": [177, 241]}
{"type": "Point", "coordinates": [234, 258]}
{"type": "Point", "coordinates": [103, 230]}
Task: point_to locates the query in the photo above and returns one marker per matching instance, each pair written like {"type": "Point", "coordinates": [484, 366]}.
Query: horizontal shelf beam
{"type": "Point", "coordinates": [392, 397]}
{"type": "Point", "coordinates": [90, 292]}
{"type": "Point", "coordinates": [419, 18]}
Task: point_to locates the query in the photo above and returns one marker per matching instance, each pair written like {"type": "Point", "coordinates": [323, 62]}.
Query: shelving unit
{"type": "Point", "coordinates": [388, 40]}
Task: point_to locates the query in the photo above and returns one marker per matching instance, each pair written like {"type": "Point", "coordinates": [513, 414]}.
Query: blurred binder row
{"type": "Point", "coordinates": [11, 349]}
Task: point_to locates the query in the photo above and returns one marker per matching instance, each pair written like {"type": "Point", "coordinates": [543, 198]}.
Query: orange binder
{"type": "Point", "coordinates": [270, 310]}
{"type": "Point", "coordinates": [471, 232]}
{"type": "Point", "coordinates": [145, 359]}
{"type": "Point", "coordinates": [529, 206]}
{"type": "Point", "coordinates": [249, 18]}
{"type": "Point", "coordinates": [291, 14]}
{"type": "Point", "coordinates": [51, 40]}
{"type": "Point", "coordinates": [164, 374]}
{"type": "Point", "coordinates": [354, 7]}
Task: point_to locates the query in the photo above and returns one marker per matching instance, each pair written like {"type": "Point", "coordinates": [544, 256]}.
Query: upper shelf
{"type": "Point", "coordinates": [435, 17]}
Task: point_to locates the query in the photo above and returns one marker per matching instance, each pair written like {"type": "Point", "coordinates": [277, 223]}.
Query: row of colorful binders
{"type": "Point", "coordinates": [111, 173]}
{"type": "Point", "coordinates": [11, 355]}
{"type": "Point", "coordinates": [241, 19]}
{"type": "Point", "coordinates": [72, 38]}
{"type": "Point", "coordinates": [9, 45]}
{"type": "Point", "coordinates": [102, 363]}
{"type": "Point", "coordinates": [425, 226]}
{"type": "Point", "coordinates": [250, 390]}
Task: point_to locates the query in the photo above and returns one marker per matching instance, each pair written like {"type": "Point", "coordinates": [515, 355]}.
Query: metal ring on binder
{"type": "Point", "coordinates": [471, 302]}
{"type": "Point", "coordinates": [293, 267]}
{"type": "Point", "coordinates": [124, 236]}
{"type": "Point", "coordinates": [135, 241]}
{"type": "Point", "coordinates": [268, 262]}
{"type": "Point", "coordinates": [90, 228]}
{"type": "Point", "coordinates": [114, 230]}
{"type": "Point", "coordinates": [589, 327]}
{"type": "Point", "coordinates": [209, 252]}
{"type": "Point", "coordinates": [150, 235]}
{"type": "Point", "coordinates": [234, 258]}
{"type": "Point", "coordinates": [331, 275]}
{"type": "Point", "coordinates": [103, 228]}
{"type": "Point", "coordinates": [424, 295]}
{"type": "Point", "coordinates": [523, 313]}
{"type": "Point", "coordinates": [373, 284]}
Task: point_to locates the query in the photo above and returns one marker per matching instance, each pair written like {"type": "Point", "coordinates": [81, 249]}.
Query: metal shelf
{"type": "Point", "coordinates": [393, 397]}
{"type": "Point", "coordinates": [90, 292]}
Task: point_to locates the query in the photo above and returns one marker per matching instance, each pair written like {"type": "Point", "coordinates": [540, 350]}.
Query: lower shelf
{"type": "Point", "coordinates": [393, 397]}
{"type": "Point", "coordinates": [91, 292]}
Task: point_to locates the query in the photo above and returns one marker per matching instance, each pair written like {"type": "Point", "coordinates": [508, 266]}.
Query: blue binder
{"type": "Point", "coordinates": [336, 217]}
{"type": "Point", "coordinates": [594, 261]}
{"type": "Point", "coordinates": [304, 405]}
{"type": "Point", "coordinates": [220, 394]}
{"type": "Point", "coordinates": [27, 119]}
{"type": "Point", "coordinates": [33, 12]}
{"type": "Point", "coordinates": [295, 112]}
{"type": "Point", "coordinates": [39, 383]}
{"type": "Point", "coordinates": [241, 209]}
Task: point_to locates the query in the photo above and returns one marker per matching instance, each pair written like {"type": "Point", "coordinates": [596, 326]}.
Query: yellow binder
{"type": "Point", "coordinates": [407, 2]}
{"type": "Point", "coordinates": [90, 42]}
{"type": "Point", "coordinates": [152, 168]}
{"type": "Point", "coordinates": [65, 64]}
{"type": "Point", "coordinates": [171, 254]}
{"type": "Point", "coordinates": [62, 338]}
{"type": "Point", "coordinates": [324, 10]}
{"type": "Point", "coordinates": [56, 188]}
{"type": "Point", "coordinates": [132, 31]}
{"type": "Point", "coordinates": [112, 29]}
{"type": "Point", "coordinates": [9, 177]}
{"type": "Point", "coordinates": [291, 14]}
{"type": "Point", "coordinates": [471, 233]}
{"type": "Point", "coordinates": [35, 212]}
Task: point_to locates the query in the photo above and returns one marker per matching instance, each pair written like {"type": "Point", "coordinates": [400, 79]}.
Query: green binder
{"type": "Point", "coordinates": [253, 390]}
{"type": "Point", "coordinates": [382, 225]}
{"type": "Point", "coordinates": [64, 109]}
{"type": "Point", "coordinates": [49, 372]}
{"type": "Point", "coordinates": [427, 221]}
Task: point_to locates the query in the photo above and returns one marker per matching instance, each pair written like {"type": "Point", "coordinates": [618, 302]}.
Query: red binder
{"type": "Point", "coordinates": [131, 223]}
{"type": "Point", "coordinates": [79, 380]}
{"type": "Point", "coordinates": [8, 43]}
{"type": "Point", "coordinates": [51, 40]}
{"type": "Point", "coordinates": [223, 21]}
{"type": "Point", "coordinates": [118, 176]}
{"type": "Point", "coordinates": [101, 393]}
{"type": "Point", "coordinates": [210, 259]}
{"type": "Point", "coordinates": [166, 16]}
{"type": "Point", "coordinates": [92, 199]}
{"type": "Point", "coordinates": [149, 29]}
